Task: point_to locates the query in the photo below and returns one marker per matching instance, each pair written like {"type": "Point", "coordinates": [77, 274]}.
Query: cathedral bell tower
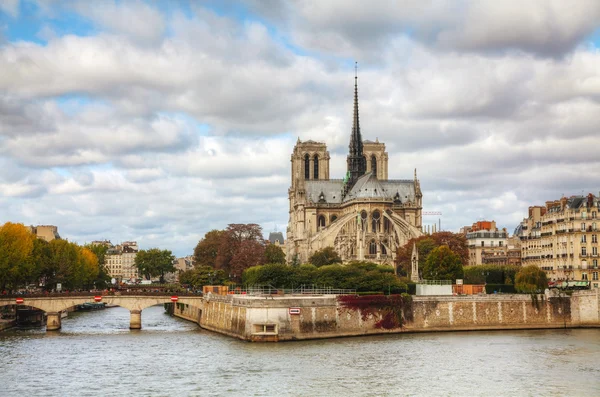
{"type": "Point", "coordinates": [357, 165]}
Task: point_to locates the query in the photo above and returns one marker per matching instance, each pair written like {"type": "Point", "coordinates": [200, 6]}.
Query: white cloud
{"type": "Point", "coordinates": [162, 134]}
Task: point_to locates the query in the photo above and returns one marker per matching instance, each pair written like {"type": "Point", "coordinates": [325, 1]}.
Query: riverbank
{"type": "Point", "coordinates": [6, 324]}
{"type": "Point", "coordinates": [282, 318]}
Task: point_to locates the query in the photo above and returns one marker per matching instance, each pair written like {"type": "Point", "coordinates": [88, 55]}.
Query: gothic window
{"type": "Point", "coordinates": [316, 167]}
{"type": "Point", "coordinates": [375, 221]}
{"type": "Point", "coordinates": [383, 251]}
{"type": "Point", "coordinates": [386, 225]}
{"type": "Point", "coordinates": [363, 219]}
{"type": "Point", "coordinates": [333, 218]}
{"type": "Point", "coordinates": [321, 221]}
{"type": "Point", "coordinates": [306, 167]}
{"type": "Point", "coordinates": [374, 165]}
{"type": "Point", "coordinates": [373, 248]}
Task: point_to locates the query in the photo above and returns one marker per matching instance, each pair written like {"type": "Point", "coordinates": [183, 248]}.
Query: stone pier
{"type": "Point", "coordinates": [53, 321]}
{"type": "Point", "coordinates": [135, 321]}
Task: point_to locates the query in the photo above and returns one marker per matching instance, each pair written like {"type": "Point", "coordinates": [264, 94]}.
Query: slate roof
{"type": "Point", "coordinates": [276, 236]}
{"type": "Point", "coordinates": [367, 186]}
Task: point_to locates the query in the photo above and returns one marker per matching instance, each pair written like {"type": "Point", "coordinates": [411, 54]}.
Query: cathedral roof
{"type": "Point", "coordinates": [366, 187]}
{"type": "Point", "coordinates": [331, 190]}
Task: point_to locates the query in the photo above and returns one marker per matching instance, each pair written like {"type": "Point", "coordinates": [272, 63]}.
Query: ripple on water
{"type": "Point", "coordinates": [96, 354]}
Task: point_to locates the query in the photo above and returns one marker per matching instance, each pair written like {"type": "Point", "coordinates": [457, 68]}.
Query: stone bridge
{"type": "Point", "coordinates": [53, 306]}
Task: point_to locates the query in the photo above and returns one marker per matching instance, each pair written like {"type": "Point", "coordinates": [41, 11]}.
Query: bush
{"type": "Point", "coordinates": [492, 274]}
{"type": "Point", "coordinates": [531, 279]}
{"type": "Point", "coordinates": [500, 288]}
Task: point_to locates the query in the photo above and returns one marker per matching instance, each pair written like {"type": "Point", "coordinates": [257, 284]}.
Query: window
{"type": "Point", "coordinates": [321, 221]}
{"type": "Point", "coordinates": [594, 226]}
{"type": "Point", "coordinates": [316, 167]}
{"type": "Point", "coordinates": [306, 167]}
{"type": "Point", "coordinates": [595, 263]}
{"type": "Point", "coordinates": [482, 243]}
{"type": "Point", "coordinates": [333, 218]}
{"type": "Point", "coordinates": [363, 219]}
{"type": "Point", "coordinates": [584, 276]}
{"type": "Point", "coordinates": [583, 227]}
{"type": "Point", "coordinates": [375, 221]}
{"type": "Point", "coordinates": [594, 238]}
{"type": "Point", "coordinates": [583, 251]}
{"type": "Point", "coordinates": [373, 248]}
{"type": "Point", "coordinates": [374, 165]}
{"type": "Point", "coordinates": [595, 251]}
{"type": "Point", "coordinates": [595, 276]}
{"type": "Point", "coordinates": [593, 214]}
{"type": "Point", "coordinates": [383, 250]}
{"type": "Point", "coordinates": [265, 329]}
{"type": "Point", "coordinates": [583, 238]}
{"type": "Point", "coordinates": [501, 243]}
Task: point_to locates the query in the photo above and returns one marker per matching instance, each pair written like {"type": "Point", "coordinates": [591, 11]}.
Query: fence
{"type": "Point", "coordinates": [259, 290]}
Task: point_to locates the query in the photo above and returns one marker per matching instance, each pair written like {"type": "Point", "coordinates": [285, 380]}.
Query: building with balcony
{"type": "Point", "coordinates": [120, 261]}
{"type": "Point", "coordinates": [561, 238]}
{"type": "Point", "coordinates": [487, 243]}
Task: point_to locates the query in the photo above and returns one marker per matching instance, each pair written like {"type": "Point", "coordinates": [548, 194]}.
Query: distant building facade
{"type": "Point", "coordinates": [45, 232]}
{"type": "Point", "coordinates": [561, 238]}
{"type": "Point", "coordinates": [120, 261]}
{"type": "Point", "coordinates": [485, 241]}
{"type": "Point", "coordinates": [364, 216]}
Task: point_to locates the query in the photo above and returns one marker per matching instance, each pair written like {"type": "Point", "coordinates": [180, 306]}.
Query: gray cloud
{"type": "Point", "coordinates": [133, 135]}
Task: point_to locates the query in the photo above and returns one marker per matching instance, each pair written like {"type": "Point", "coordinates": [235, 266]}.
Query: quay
{"type": "Point", "coordinates": [281, 317]}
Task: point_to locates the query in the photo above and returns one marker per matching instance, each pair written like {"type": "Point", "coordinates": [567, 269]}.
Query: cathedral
{"type": "Point", "coordinates": [364, 216]}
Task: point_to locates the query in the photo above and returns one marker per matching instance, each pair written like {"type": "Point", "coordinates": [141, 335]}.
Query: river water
{"type": "Point", "coordinates": [95, 354]}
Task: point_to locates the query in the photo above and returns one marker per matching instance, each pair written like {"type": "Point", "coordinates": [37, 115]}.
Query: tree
{"type": "Point", "coordinates": [443, 264]}
{"type": "Point", "coordinates": [242, 246]}
{"type": "Point", "coordinates": [425, 244]}
{"type": "Point", "coordinates": [154, 262]}
{"type": "Point", "coordinates": [531, 279]}
{"type": "Point", "coordinates": [16, 245]}
{"type": "Point", "coordinates": [207, 249]}
{"type": "Point", "coordinates": [274, 254]}
{"type": "Point", "coordinates": [325, 256]}
{"type": "Point", "coordinates": [201, 276]}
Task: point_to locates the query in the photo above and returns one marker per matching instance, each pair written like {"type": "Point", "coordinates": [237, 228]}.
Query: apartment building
{"type": "Point", "coordinates": [485, 241]}
{"type": "Point", "coordinates": [120, 261]}
{"type": "Point", "coordinates": [561, 238]}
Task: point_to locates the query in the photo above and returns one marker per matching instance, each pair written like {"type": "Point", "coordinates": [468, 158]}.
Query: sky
{"type": "Point", "coordinates": [158, 121]}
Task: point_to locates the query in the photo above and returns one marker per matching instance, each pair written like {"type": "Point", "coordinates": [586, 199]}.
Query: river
{"type": "Point", "coordinates": [95, 354]}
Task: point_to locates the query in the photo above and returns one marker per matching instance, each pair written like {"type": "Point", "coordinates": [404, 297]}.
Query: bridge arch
{"type": "Point", "coordinates": [53, 306]}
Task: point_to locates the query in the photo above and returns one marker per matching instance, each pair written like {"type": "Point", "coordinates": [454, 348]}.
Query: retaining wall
{"type": "Point", "coordinates": [270, 318]}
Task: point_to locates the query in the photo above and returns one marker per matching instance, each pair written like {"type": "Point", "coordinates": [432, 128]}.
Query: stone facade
{"type": "Point", "coordinates": [45, 232]}
{"type": "Point", "coordinates": [120, 261]}
{"type": "Point", "coordinates": [281, 318]}
{"type": "Point", "coordinates": [561, 237]}
{"type": "Point", "coordinates": [364, 216]}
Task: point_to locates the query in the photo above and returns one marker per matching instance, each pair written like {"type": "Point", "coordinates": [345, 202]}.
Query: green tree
{"type": "Point", "coordinates": [274, 254]}
{"type": "Point", "coordinates": [443, 264]}
{"type": "Point", "coordinates": [154, 262]}
{"type": "Point", "coordinates": [325, 256]}
{"type": "Point", "coordinates": [207, 249]}
{"type": "Point", "coordinates": [201, 276]}
{"type": "Point", "coordinates": [531, 279]}
{"type": "Point", "coordinates": [64, 263]}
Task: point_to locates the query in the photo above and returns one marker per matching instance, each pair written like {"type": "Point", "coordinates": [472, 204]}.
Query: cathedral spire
{"type": "Point", "coordinates": [356, 162]}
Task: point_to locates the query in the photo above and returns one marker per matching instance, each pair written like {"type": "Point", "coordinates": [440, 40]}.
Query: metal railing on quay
{"type": "Point", "coordinates": [269, 290]}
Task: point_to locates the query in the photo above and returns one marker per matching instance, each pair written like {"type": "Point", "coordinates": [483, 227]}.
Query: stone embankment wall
{"type": "Point", "coordinates": [270, 318]}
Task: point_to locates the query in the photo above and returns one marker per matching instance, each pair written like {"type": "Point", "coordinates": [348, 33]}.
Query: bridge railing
{"type": "Point", "coordinates": [99, 293]}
